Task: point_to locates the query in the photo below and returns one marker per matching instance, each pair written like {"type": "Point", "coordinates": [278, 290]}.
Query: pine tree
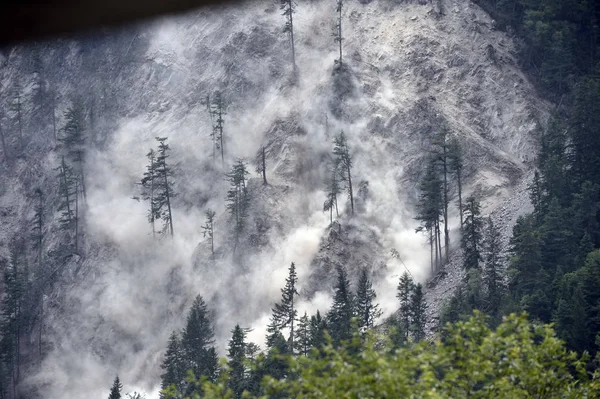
{"type": "Point", "coordinates": [344, 161]}
{"type": "Point", "coordinates": [289, 8]}
{"type": "Point", "coordinates": [367, 309]}
{"type": "Point", "coordinates": [492, 277]}
{"type": "Point", "coordinates": [208, 229]}
{"type": "Point", "coordinates": [218, 112]}
{"type": "Point", "coordinates": [456, 166]}
{"type": "Point", "coordinates": [68, 206]}
{"type": "Point", "coordinates": [261, 163]}
{"type": "Point", "coordinates": [429, 208]}
{"type": "Point", "coordinates": [164, 185]}
{"type": "Point", "coordinates": [537, 195]}
{"type": "Point", "coordinates": [115, 391]}
{"type": "Point", "coordinates": [284, 312]}
{"type": "Point", "coordinates": [174, 364]}
{"type": "Point", "coordinates": [339, 318]}
{"type": "Point", "coordinates": [337, 32]}
{"type": "Point", "coordinates": [526, 257]}
{"type": "Point", "coordinates": [73, 141]}
{"type": "Point", "coordinates": [197, 341]}
{"type": "Point", "coordinates": [237, 195]}
{"type": "Point", "coordinates": [406, 287]}
{"type": "Point", "coordinates": [208, 103]}
{"type": "Point", "coordinates": [37, 227]}
{"type": "Point", "coordinates": [236, 356]}
{"type": "Point", "coordinates": [303, 340]}
{"type": "Point", "coordinates": [14, 307]}
{"type": "Point", "coordinates": [317, 329]}
{"type": "Point", "coordinates": [441, 156]}
{"type": "Point", "coordinates": [149, 190]}
{"type": "Point", "coordinates": [472, 235]}
{"type": "Point", "coordinates": [333, 190]}
{"type": "Point", "coordinates": [16, 105]}
{"type": "Point", "coordinates": [417, 313]}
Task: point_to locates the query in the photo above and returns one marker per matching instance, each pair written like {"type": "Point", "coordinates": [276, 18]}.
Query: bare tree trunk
{"type": "Point", "coordinates": [431, 249]}
{"type": "Point", "coordinates": [460, 207]}
{"type": "Point", "coordinates": [340, 33]}
{"type": "Point", "coordinates": [350, 187]}
{"type": "Point", "coordinates": [446, 200]}
{"type": "Point", "coordinates": [264, 166]}
{"type": "Point", "coordinates": [292, 35]}
{"type": "Point", "coordinates": [76, 217]}
{"type": "Point", "coordinates": [168, 195]}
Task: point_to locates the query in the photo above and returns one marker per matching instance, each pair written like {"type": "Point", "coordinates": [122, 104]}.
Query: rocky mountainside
{"type": "Point", "coordinates": [409, 67]}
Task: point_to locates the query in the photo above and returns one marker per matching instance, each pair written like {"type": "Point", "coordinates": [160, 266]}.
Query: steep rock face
{"type": "Point", "coordinates": [408, 68]}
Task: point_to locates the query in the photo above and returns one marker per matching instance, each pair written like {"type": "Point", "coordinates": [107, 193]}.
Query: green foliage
{"type": "Point", "coordinates": [163, 184]}
{"type": "Point", "coordinates": [429, 210]}
{"type": "Point", "coordinates": [517, 360]}
{"type": "Point", "coordinates": [236, 355]}
{"type": "Point", "coordinates": [472, 234]}
{"type": "Point", "coordinates": [237, 196]}
{"type": "Point", "coordinates": [492, 274]}
{"type": "Point", "coordinates": [406, 287]}
{"type": "Point", "coordinates": [174, 364]}
{"type": "Point", "coordinates": [343, 164]}
{"type": "Point", "coordinates": [284, 312]}
{"type": "Point", "coordinates": [339, 317]}
{"type": "Point", "coordinates": [367, 310]}
{"type": "Point", "coordinates": [197, 341]}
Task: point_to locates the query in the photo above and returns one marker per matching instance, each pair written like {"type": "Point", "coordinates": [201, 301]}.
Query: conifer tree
{"type": "Point", "coordinates": [285, 312]}
{"type": "Point", "coordinates": [456, 166]}
{"type": "Point", "coordinates": [303, 340]}
{"type": "Point", "coordinates": [429, 211]}
{"type": "Point", "coordinates": [261, 164]}
{"type": "Point", "coordinates": [37, 227]}
{"type": "Point", "coordinates": [492, 277]}
{"type": "Point", "coordinates": [406, 288]}
{"type": "Point", "coordinates": [367, 309]}
{"type": "Point", "coordinates": [472, 235]}
{"type": "Point", "coordinates": [289, 8]}
{"type": "Point", "coordinates": [344, 161]}
{"type": "Point", "coordinates": [16, 105]}
{"type": "Point", "coordinates": [208, 229]}
{"type": "Point", "coordinates": [197, 341]}
{"type": "Point", "coordinates": [441, 156]}
{"type": "Point", "coordinates": [237, 195]}
{"type": "Point", "coordinates": [537, 195]}
{"type": "Point", "coordinates": [149, 190]}
{"type": "Point", "coordinates": [342, 310]}
{"type": "Point", "coordinates": [236, 357]}
{"type": "Point", "coordinates": [218, 112]}
{"type": "Point", "coordinates": [173, 365]}
{"type": "Point", "coordinates": [73, 141]}
{"type": "Point", "coordinates": [317, 329]}
{"type": "Point", "coordinates": [13, 309]}
{"type": "Point", "coordinates": [68, 206]}
{"type": "Point", "coordinates": [164, 185]}
{"type": "Point", "coordinates": [417, 313]}
{"type": "Point", "coordinates": [337, 32]}
{"type": "Point", "coordinates": [213, 138]}
{"type": "Point", "coordinates": [333, 190]}
{"type": "Point", "coordinates": [115, 391]}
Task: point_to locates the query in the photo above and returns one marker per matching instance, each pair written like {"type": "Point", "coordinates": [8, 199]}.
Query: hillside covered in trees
{"type": "Point", "coordinates": [294, 199]}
